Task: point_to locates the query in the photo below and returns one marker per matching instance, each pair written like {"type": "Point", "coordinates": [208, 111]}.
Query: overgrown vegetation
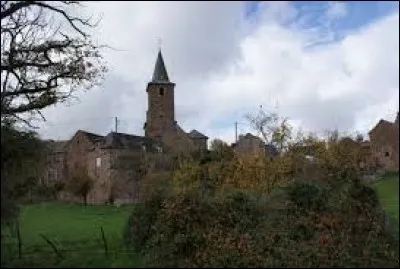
{"type": "Point", "coordinates": [80, 185]}
{"type": "Point", "coordinates": [20, 166]}
{"type": "Point", "coordinates": [47, 55]}
{"type": "Point", "coordinates": [290, 211]}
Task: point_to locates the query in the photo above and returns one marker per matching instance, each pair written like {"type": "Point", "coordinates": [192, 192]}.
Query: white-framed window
{"type": "Point", "coordinates": [98, 162]}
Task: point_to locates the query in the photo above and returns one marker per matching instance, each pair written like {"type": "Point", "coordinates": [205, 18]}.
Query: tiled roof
{"type": "Point", "coordinates": [92, 136]}
{"type": "Point", "coordinates": [56, 146]}
{"type": "Point", "coordinates": [128, 141]}
{"type": "Point", "coordinates": [196, 134]}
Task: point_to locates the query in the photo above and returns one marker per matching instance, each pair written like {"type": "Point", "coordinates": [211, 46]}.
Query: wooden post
{"type": "Point", "coordinates": [19, 241]}
{"type": "Point", "coordinates": [53, 246]}
{"type": "Point", "coordinates": [104, 241]}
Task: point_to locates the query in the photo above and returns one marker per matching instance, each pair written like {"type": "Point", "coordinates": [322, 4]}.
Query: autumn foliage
{"type": "Point", "coordinates": [290, 211]}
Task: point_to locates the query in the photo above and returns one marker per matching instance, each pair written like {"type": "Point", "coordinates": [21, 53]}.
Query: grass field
{"type": "Point", "coordinates": [75, 230]}
{"type": "Point", "coordinates": [388, 192]}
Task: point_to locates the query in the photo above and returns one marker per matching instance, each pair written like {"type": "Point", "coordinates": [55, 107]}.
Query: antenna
{"type": "Point", "coordinates": [236, 125]}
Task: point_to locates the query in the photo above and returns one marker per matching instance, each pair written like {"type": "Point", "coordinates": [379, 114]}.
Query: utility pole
{"type": "Point", "coordinates": [116, 124]}
{"type": "Point", "coordinates": [236, 131]}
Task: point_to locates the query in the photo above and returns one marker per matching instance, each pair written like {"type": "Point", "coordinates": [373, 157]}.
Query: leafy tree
{"type": "Point", "coordinates": [359, 137]}
{"type": "Point", "coordinates": [42, 62]}
{"type": "Point", "coordinates": [21, 165]}
{"type": "Point", "coordinates": [80, 185]}
{"type": "Point", "coordinates": [221, 150]}
{"type": "Point", "coordinates": [281, 135]}
{"type": "Point", "coordinates": [57, 187]}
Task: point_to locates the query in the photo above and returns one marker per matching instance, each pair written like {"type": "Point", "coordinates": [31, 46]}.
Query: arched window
{"type": "Point", "coordinates": [161, 91]}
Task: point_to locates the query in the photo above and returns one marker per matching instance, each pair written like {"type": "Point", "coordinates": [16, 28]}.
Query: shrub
{"type": "Point", "coordinates": [80, 184]}
{"type": "Point", "coordinates": [153, 192]}
{"type": "Point", "coordinates": [308, 196]}
{"type": "Point", "coordinates": [233, 227]}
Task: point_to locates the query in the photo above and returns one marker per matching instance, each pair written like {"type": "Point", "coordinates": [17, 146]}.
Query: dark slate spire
{"type": "Point", "coordinates": [160, 73]}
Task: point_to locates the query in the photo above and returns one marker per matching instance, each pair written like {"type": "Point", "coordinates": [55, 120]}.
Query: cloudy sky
{"type": "Point", "coordinates": [324, 65]}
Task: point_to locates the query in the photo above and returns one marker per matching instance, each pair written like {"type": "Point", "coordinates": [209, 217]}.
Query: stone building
{"type": "Point", "coordinates": [161, 124]}
{"type": "Point", "coordinates": [114, 161]}
{"type": "Point", "coordinates": [384, 144]}
{"type": "Point", "coordinates": [252, 145]}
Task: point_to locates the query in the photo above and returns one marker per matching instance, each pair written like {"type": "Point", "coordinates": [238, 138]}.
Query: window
{"type": "Point", "coordinates": [161, 91]}
{"type": "Point", "coordinates": [98, 162]}
{"type": "Point", "coordinates": [159, 149]}
{"type": "Point", "coordinates": [387, 154]}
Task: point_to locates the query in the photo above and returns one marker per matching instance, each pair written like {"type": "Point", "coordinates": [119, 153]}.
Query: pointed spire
{"type": "Point", "coordinates": [160, 73]}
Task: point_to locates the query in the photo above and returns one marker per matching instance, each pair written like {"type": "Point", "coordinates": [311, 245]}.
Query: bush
{"type": "Point", "coordinates": [233, 227]}
{"type": "Point", "coordinates": [203, 231]}
{"type": "Point", "coordinates": [80, 184]}
{"type": "Point", "coordinates": [153, 193]}
{"type": "Point", "coordinates": [308, 196]}
{"type": "Point", "coordinates": [254, 212]}
{"type": "Point", "coordinates": [140, 222]}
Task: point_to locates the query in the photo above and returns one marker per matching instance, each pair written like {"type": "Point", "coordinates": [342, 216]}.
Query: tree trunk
{"type": "Point", "coordinates": [85, 200]}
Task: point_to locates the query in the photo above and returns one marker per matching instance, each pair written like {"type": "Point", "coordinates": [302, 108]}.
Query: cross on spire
{"type": "Point", "coordinates": [159, 43]}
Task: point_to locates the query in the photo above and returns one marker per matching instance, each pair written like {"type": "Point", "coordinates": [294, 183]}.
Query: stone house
{"type": "Point", "coordinates": [253, 145]}
{"type": "Point", "coordinates": [384, 144]}
{"type": "Point", "coordinates": [114, 161]}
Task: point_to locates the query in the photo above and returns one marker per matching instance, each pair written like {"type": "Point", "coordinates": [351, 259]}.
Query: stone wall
{"type": "Point", "coordinates": [161, 112]}
{"type": "Point", "coordinates": [249, 144]}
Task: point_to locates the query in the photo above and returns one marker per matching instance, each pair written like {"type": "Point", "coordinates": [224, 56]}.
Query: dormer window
{"type": "Point", "coordinates": [161, 91]}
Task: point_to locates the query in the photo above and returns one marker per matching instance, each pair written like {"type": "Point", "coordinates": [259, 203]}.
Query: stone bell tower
{"type": "Point", "coordinates": [160, 116]}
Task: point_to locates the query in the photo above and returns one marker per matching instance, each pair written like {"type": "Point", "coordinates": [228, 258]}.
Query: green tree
{"type": "Point", "coordinates": [80, 185]}
{"type": "Point", "coordinates": [21, 165]}
{"type": "Point", "coordinates": [221, 150]}
{"type": "Point", "coordinates": [281, 136]}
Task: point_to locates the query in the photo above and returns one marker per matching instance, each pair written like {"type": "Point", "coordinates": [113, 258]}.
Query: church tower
{"type": "Point", "coordinates": [160, 116]}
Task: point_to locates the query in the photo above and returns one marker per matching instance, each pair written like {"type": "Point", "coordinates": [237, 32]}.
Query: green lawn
{"type": "Point", "coordinates": [388, 192]}
{"type": "Point", "coordinates": [75, 230]}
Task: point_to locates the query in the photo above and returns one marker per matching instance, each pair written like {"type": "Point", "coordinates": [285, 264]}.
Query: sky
{"type": "Point", "coordinates": [323, 65]}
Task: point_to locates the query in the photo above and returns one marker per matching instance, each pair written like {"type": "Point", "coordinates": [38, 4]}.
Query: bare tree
{"type": "Point", "coordinates": [264, 123]}
{"type": "Point", "coordinates": [41, 64]}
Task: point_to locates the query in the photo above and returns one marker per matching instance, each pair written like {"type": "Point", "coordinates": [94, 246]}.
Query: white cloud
{"type": "Point", "coordinates": [225, 66]}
